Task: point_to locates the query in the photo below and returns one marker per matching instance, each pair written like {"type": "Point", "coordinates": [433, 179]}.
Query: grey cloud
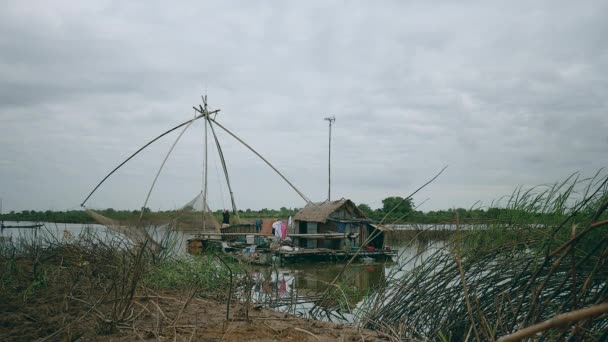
{"type": "Point", "coordinates": [506, 94]}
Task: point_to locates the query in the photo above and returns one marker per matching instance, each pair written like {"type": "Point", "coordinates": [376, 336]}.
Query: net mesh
{"type": "Point", "coordinates": [194, 217]}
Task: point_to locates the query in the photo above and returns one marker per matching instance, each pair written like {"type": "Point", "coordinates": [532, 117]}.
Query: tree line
{"type": "Point", "coordinates": [80, 216]}
{"type": "Point", "coordinates": [394, 210]}
{"type": "Point", "coordinates": [400, 210]}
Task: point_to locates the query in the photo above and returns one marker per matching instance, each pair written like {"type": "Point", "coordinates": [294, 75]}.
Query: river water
{"type": "Point", "coordinates": [293, 288]}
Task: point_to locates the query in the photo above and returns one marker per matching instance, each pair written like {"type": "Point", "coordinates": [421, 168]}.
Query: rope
{"type": "Point", "coordinates": [223, 161]}
{"type": "Point", "coordinates": [219, 181]}
{"type": "Point", "coordinates": [136, 152]}
{"type": "Point", "coordinates": [264, 159]}
{"type": "Point", "coordinates": [162, 165]}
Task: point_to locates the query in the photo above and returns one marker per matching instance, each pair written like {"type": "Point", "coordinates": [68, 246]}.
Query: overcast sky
{"type": "Point", "coordinates": [506, 93]}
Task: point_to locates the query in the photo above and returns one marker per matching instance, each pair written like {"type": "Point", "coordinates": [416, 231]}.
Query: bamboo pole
{"type": "Point", "coordinates": [206, 168]}
{"type": "Point", "coordinates": [223, 161]}
{"type": "Point", "coordinates": [137, 152]}
{"type": "Point", "coordinates": [265, 160]}
{"type": "Point", "coordinates": [559, 320]}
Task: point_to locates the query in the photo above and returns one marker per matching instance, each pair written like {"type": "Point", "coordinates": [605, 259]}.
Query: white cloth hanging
{"type": "Point", "coordinates": [277, 229]}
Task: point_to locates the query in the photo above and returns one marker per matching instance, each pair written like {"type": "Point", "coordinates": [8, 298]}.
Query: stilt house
{"type": "Point", "coordinates": [335, 225]}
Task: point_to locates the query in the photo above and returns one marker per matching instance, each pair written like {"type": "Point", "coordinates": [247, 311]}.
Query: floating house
{"type": "Point", "coordinates": [336, 225]}
{"type": "Point", "coordinates": [324, 231]}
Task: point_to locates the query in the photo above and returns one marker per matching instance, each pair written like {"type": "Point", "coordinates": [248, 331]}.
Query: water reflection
{"type": "Point", "coordinates": [297, 288]}
{"type": "Point", "coordinates": [293, 288]}
{"type": "Point", "coordinates": [53, 232]}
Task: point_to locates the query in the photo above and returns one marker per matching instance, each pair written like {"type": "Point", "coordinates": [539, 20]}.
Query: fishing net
{"type": "Point", "coordinates": [195, 216]}
{"type": "Point", "coordinates": [149, 227]}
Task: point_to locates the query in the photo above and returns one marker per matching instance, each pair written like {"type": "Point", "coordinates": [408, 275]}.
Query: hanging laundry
{"type": "Point", "coordinates": [258, 225]}
{"type": "Point", "coordinates": [283, 230]}
{"type": "Point", "coordinates": [276, 227]}
{"type": "Point", "coordinates": [283, 286]}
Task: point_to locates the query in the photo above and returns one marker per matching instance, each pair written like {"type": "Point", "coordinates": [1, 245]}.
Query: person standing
{"type": "Point", "coordinates": [225, 218]}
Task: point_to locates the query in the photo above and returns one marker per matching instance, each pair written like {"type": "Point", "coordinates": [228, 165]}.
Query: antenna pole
{"type": "Point", "coordinates": [206, 166]}
{"type": "Point", "coordinates": [331, 120]}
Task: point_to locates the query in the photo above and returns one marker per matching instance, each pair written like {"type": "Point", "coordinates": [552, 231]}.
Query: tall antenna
{"type": "Point", "coordinates": [206, 168]}
{"type": "Point", "coordinates": [331, 120]}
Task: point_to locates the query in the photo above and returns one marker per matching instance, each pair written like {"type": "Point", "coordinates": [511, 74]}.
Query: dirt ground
{"type": "Point", "coordinates": [205, 320]}
{"type": "Point", "coordinates": [164, 318]}
{"type": "Point", "coordinates": [70, 293]}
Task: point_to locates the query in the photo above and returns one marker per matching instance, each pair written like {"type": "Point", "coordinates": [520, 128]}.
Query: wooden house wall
{"type": "Point", "coordinates": [304, 227]}
{"type": "Point", "coordinates": [311, 228]}
{"type": "Point", "coordinates": [346, 212]}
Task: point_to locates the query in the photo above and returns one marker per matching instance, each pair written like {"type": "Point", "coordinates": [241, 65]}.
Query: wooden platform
{"type": "Point", "coordinates": [323, 254]}
{"type": "Point", "coordinates": [268, 256]}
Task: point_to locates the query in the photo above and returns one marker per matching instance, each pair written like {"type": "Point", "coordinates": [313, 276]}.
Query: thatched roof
{"type": "Point", "coordinates": [321, 211]}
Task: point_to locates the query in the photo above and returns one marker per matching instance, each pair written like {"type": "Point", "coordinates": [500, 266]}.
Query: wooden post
{"type": "Point", "coordinates": [331, 120]}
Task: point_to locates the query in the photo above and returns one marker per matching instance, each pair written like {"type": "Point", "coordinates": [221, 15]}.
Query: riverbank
{"type": "Point", "coordinates": [173, 316]}
{"type": "Point", "coordinates": [95, 290]}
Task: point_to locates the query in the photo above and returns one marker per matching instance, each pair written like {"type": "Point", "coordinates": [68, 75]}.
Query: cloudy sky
{"type": "Point", "coordinates": [506, 93]}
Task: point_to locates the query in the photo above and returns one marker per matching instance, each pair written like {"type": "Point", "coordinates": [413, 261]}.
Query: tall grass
{"type": "Point", "coordinates": [93, 284]}
{"type": "Point", "coordinates": [498, 278]}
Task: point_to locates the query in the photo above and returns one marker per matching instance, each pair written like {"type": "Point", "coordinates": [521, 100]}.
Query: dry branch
{"type": "Point", "coordinates": [559, 320]}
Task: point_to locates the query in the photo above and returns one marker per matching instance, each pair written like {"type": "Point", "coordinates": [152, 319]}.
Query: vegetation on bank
{"type": "Point", "coordinates": [494, 280]}
{"type": "Point", "coordinates": [405, 212]}
{"type": "Point", "coordinates": [481, 283]}
{"type": "Point", "coordinates": [88, 287]}
{"type": "Point", "coordinates": [95, 288]}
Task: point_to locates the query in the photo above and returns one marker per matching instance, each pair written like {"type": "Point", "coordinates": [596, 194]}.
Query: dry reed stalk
{"type": "Point", "coordinates": [561, 319]}
{"type": "Point", "coordinates": [306, 332]}
{"type": "Point", "coordinates": [533, 272]}
{"type": "Point", "coordinates": [462, 278]}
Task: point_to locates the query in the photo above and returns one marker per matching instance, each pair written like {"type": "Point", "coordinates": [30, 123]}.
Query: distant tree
{"type": "Point", "coordinates": [397, 204]}
{"type": "Point", "coordinates": [365, 208]}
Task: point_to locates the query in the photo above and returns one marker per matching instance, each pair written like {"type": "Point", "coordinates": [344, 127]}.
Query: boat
{"type": "Point", "coordinates": [28, 226]}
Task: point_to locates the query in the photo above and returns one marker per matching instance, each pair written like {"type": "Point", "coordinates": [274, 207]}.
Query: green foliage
{"type": "Point", "coordinates": [519, 269]}
{"type": "Point", "coordinates": [347, 295]}
{"type": "Point", "coordinates": [529, 207]}
{"type": "Point", "coordinates": [397, 205]}
{"type": "Point", "coordinates": [34, 287]}
{"type": "Point", "coordinates": [206, 273]}
{"type": "Point", "coordinates": [366, 209]}
{"type": "Point", "coordinates": [70, 216]}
